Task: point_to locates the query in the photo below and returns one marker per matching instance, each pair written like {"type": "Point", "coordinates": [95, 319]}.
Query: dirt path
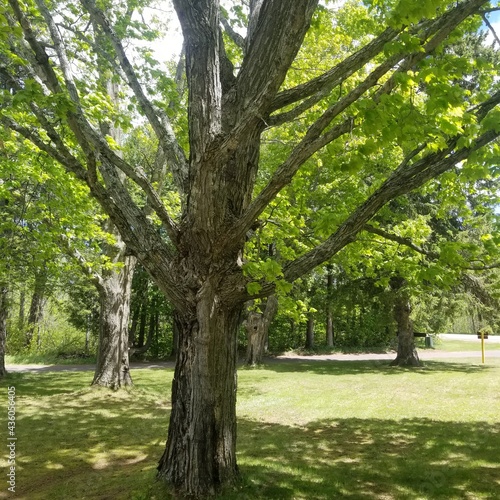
{"type": "Point", "coordinates": [423, 354]}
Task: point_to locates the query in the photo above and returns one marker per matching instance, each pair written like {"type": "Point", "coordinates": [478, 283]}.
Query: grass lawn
{"type": "Point", "coordinates": [307, 430]}
{"type": "Point", "coordinates": [458, 345]}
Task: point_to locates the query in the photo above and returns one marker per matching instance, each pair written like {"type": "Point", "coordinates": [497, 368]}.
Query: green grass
{"type": "Point", "coordinates": [458, 345]}
{"type": "Point", "coordinates": [307, 430]}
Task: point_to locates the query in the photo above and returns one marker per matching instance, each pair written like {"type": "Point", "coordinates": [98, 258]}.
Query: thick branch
{"type": "Point", "coordinates": [84, 132]}
{"type": "Point", "coordinates": [320, 87]}
{"type": "Point", "coordinates": [277, 32]}
{"type": "Point", "coordinates": [313, 140]}
{"type": "Point", "coordinates": [200, 26]}
{"type": "Point", "coordinates": [400, 182]}
{"type": "Point", "coordinates": [323, 84]}
{"type": "Point", "coordinates": [138, 233]}
{"type": "Point", "coordinates": [41, 57]}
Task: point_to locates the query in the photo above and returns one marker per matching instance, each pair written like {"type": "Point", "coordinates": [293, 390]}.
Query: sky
{"type": "Point", "coordinates": [494, 19]}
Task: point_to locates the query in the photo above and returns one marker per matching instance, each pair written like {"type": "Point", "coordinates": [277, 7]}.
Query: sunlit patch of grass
{"type": "Point", "coordinates": [307, 430]}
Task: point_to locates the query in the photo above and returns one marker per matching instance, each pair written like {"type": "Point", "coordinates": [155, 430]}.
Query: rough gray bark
{"type": "Point", "coordinates": [114, 287]}
{"type": "Point", "coordinates": [200, 455]}
{"type": "Point", "coordinates": [4, 311]}
{"type": "Point", "coordinates": [257, 327]}
{"type": "Point", "coordinates": [112, 368]}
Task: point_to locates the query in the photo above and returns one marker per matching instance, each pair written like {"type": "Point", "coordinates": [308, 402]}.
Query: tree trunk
{"type": "Point", "coordinates": [200, 453]}
{"type": "Point", "coordinates": [310, 332]}
{"type": "Point", "coordinates": [257, 327]}
{"type": "Point", "coordinates": [139, 316]}
{"type": "Point", "coordinates": [112, 368]}
{"type": "Point", "coordinates": [36, 307]}
{"type": "Point", "coordinates": [152, 328]}
{"type": "Point", "coordinates": [329, 311]}
{"type": "Point", "coordinates": [22, 302]}
{"type": "Point", "coordinates": [3, 327]}
{"type": "Point", "coordinates": [295, 333]}
{"type": "Point", "coordinates": [407, 354]}
{"type": "Point", "coordinates": [143, 317]}
{"type": "Point", "coordinates": [135, 321]}
{"type": "Point", "coordinates": [87, 334]}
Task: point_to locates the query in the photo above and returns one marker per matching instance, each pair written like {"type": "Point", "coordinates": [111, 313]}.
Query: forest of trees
{"type": "Point", "coordinates": [308, 175]}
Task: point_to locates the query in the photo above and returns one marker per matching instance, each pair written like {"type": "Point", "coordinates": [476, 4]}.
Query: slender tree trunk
{"type": "Point", "coordinates": [257, 327]}
{"type": "Point", "coordinates": [4, 311]}
{"type": "Point", "coordinates": [112, 368]}
{"type": "Point", "coordinates": [87, 334]}
{"type": "Point", "coordinates": [310, 332]}
{"type": "Point", "coordinates": [115, 287]}
{"type": "Point", "coordinates": [200, 453]}
{"type": "Point", "coordinates": [135, 321]}
{"type": "Point", "coordinates": [139, 316]}
{"type": "Point", "coordinates": [295, 333]}
{"type": "Point", "coordinates": [22, 304]}
{"type": "Point", "coordinates": [152, 326]}
{"type": "Point", "coordinates": [329, 311]}
{"type": "Point", "coordinates": [36, 307]}
{"type": "Point", "coordinates": [142, 324]}
{"type": "Point", "coordinates": [407, 354]}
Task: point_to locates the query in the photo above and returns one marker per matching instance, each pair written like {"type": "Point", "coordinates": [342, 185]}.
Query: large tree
{"type": "Point", "coordinates": [196, 258]}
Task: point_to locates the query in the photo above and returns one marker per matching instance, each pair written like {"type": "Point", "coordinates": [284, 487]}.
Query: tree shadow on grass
{"type": "Point", "coordinates": [369, 459]}
{"type": "Point", "coordinates": [96, 444]}
{"type": "Point", "coordinates": [33, 384]}
{"type": "Point", "coordinates": [341, 367]}
{"type": "Point", "coordinates": [89, 444]}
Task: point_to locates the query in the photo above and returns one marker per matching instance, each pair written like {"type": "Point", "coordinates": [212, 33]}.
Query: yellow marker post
{"type": "Point", "coordinates": [481, 335]}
